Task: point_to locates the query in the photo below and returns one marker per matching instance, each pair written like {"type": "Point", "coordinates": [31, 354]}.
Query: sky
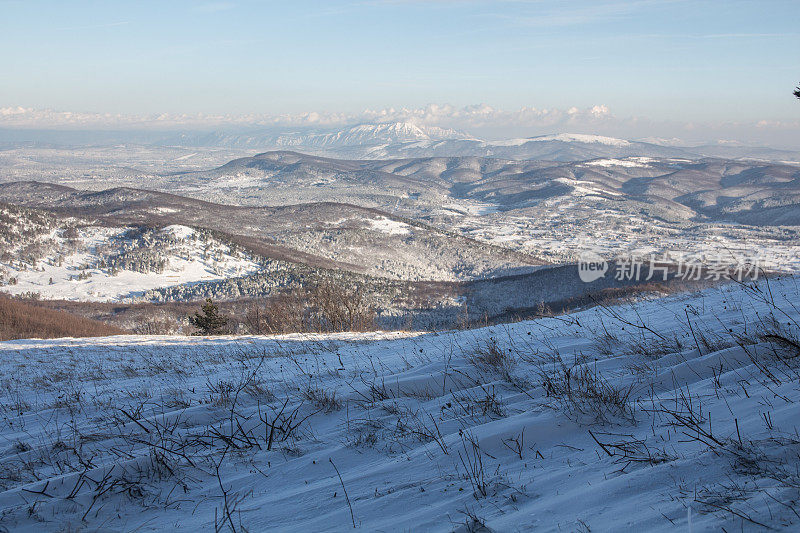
{"type": "Point", "coordinates": [664, 67]}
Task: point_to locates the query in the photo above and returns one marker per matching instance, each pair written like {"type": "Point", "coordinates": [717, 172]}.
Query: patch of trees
{"type": "Point", "coordinates": [139, 260]}
{"type": "Point", "coordinates": [324, 307]}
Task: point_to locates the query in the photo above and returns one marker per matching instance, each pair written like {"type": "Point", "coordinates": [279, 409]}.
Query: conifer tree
{"type": "Point", "coordinates": [209, 321]}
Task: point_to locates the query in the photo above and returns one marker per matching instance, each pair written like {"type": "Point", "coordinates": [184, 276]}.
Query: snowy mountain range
{"type": "Point", "coordinates": [406, 140]}
{"type": "Point", "coordinates": [365, 136]}
{"type": "Point", "coordinates": [384, 140]}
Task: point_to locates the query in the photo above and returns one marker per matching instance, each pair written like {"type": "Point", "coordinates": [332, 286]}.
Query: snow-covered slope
{"type": "Point", "coordinates": [66, 259]}
{"type": "Point", "coordinates": [408, 139]}
{"type": "Point", "coordinates": [665, 415]}
{"type": "Point", "coordinates": [580, 138]}
{"type": "Point", "coordinates": [386, 133]}
{"type": "Point", "coordinates": [357, 138]}
{"type": "Point", "coordinates": [329, 235]}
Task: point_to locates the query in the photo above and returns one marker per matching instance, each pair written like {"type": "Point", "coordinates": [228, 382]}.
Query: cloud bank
{"type": "Point", "coordinates": [479, 120]}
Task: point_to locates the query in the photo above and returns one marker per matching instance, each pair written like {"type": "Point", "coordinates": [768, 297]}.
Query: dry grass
{"type": "Point", "coordinates": [583, 392]}
{"type": "Point", "coordinates": [19, 320]}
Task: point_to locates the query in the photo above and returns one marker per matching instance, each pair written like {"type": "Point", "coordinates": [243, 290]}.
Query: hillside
{"type": "Point", "coordinates": [456, 219]}
{"type": "Point", "coordinates": [550, 210]}
{"type": "Point", "coordinates": [51, 256]}
{"type": "Point", "coordinates": [321, 235]}
{"type": "Point", "coordinates": [19, 320]}
{"type": "Point", "coordinates": [659, 415]}
{"type": "Point", "coordinates": [717, 190]}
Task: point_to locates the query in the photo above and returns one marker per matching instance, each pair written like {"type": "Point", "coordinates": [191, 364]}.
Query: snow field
{"type": "Point", "coordinates": [77, 275]}
{"type": "Point", "coordinates": [641, 416]}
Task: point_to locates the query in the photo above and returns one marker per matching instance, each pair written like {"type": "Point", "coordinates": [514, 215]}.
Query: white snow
{"type": "Point", "coordinates": [471, 208]}
{"type": "Point", "coordinates": [562, 137]}
{"type": "Point", "coordinates": [585, 188]}
{"type": "Point", "coordinates": [238, 180]}
{"type": "Point", "coordinates": [630, 162]}
{"type": "Point", "coordinates": [582, 138]}
{"type": "Point", "coordinates": [178, 231]}
{"type": "Point", "coordinates": [185, 157]}
{"type": "Point", "coordinates": [511, 142]}
{"type": "Point", "coordinates": [148, 433]}
{"type": "Point", "coordinates": [78, 277]}
{"type": "Point", "coordinates": [389, 226]}
{"type": "Point", "coordinates": [380, 134]}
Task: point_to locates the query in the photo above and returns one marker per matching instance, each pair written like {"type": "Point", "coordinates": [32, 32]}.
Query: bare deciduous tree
{"type": "Point", "coordinates": [325, 307]}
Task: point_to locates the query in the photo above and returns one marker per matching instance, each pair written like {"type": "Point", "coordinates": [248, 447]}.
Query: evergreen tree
{"type": "Point", "coordinates": [209, 321]}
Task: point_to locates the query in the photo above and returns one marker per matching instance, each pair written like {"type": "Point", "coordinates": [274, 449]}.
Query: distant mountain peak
{"type": "Point", "coordinates": [402, 131]}
{"type": "Point", "coordinates": [582, 138]}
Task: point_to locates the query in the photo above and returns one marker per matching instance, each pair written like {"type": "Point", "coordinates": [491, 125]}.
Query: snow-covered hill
{"type": "Point", "coordinates": [677, 414]}
{"type": "Point", "coordinates": [66, 259]}
{"type": "Point", "coordinates": [387, 133]}
{"type": "Point", "coordinates": [573, 137]}
{"type": "Point", "coordinates": [407, 140]}
{"type": "Point", "coordinates": [320, 235]}
{"type": "Point", "coordinates": [359, 138]}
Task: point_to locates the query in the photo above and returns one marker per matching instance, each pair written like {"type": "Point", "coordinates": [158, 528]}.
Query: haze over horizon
{"type": "Point", "coordinates": [640, 69]}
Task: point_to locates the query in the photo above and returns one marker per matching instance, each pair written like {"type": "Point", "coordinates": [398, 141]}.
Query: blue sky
{"type": "Point", "coordinates": [668, 60]}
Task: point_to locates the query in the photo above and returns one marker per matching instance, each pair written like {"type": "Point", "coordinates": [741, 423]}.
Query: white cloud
{"type": "Point", "coordinates": [480, 120]}
{"type": "Point", "coordinates": [478, 115]}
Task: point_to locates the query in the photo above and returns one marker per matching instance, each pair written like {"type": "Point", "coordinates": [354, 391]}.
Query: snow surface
{"type": "Point", "coordinates": [511, 142]}
{"type": "Point", "coordinates": [471, 208]}
{"type": "Point", "coordinates": [585, 188]}
{"type": "Point", "coordinates": [129, 433]}
{"type": "Point", "coordinates": [389, 226]}
{"type": "Point", "coordinates": [77, 277]}
{"type": "Point", "coordinates": [563, 137]}
{"type": "Point", "coordinates": [630, 162]}
{"type": "Point", "coordinates": [581, 138]}
{"type": "Point", "coordinates": [178, 231]}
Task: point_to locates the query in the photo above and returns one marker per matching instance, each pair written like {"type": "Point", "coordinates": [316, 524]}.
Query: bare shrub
{"type": "Point", "coordinates": [607, 343]}
{"type": "Point", "coordinates": [491, 356]}
{"type": "Point", "coordinates": [781, 335]}
{"type": "Point", "coordinates": [158, 324]}
{"type": "Point", "coordinates": [342, 308]}
{"type": "Point", "coordinates": [282, 423]}
{"type": "Point", "coordinates": [472, 524]}
{"type": "Point", "coordinates": [491, 404]}
{"type": "Point", "coordinates": [472, 461]}
{"type": "Point", "coordinates": [322, 399]}
{"type": "Point", "coordinates": [410, 422]}
{"type": "Point", "coordinates": [482, 401]}
{"type": "Point", "coordinates": [630, 451]}
{"type": "Point", "coordinates": [784, 339]}
{"type": "Point", "coordinates": [582, 391]}
{"type": "Point", "coordinates": [278, 314]}
{"type": "Point", "coordinates": [221, 392]}
{"type": "Point", "coordinates": [325, 307]}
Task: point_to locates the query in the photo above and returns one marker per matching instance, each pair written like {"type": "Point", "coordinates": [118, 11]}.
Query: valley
{"type": "Point", "coordinates": [434, 241]}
